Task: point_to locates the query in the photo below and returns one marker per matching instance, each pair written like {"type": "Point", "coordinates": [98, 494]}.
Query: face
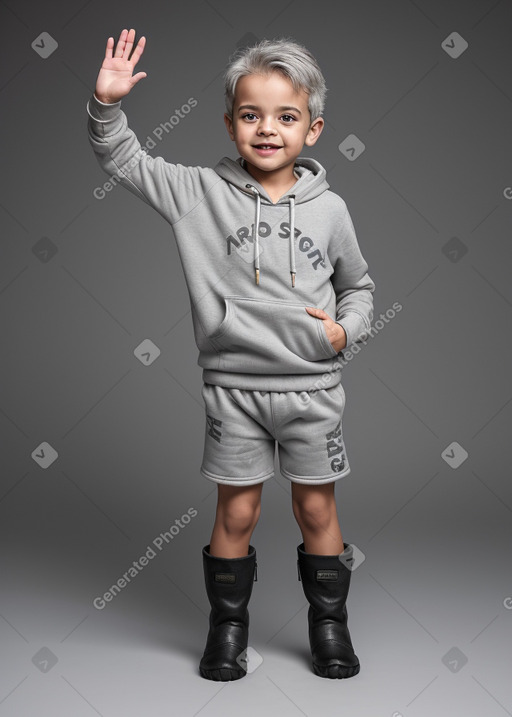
{"type": "Point", "coordinates": [271, 123]}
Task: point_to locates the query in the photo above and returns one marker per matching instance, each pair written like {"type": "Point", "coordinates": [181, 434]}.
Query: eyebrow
{"type": "Point", "coordinates": [281, 109]}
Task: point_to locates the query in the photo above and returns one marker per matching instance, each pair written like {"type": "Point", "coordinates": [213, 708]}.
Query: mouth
{"type": "Point", "coordinates": [266, 148]}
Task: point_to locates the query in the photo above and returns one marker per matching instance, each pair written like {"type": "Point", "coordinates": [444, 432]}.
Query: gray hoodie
{"type": "Point", "coordinates": [248, 290]}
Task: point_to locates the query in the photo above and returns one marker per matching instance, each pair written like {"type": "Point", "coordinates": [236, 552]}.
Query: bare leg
{"type": "Point", "coordinates": [238, 511]}
{"type": "Point", "coordinates": [314, 508]}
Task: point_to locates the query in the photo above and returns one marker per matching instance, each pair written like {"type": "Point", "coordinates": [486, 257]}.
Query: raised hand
{"type": "Point", "coordinates": [115, 78]}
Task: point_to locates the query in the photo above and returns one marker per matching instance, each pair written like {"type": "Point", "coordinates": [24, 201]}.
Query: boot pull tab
{"type": "Point", "coordinates": [255, 571]}
{"type": "Point", "coordinates": [298, 570]}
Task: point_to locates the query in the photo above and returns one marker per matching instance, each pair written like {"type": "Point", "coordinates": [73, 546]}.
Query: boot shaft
{"type": "Point", "coordinates": [326, 582]}
{"type": "Point", "coordinates": [229, 583]}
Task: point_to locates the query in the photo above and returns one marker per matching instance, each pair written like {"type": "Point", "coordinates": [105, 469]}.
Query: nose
{"type": "Point", "coordinates": [266, 126]}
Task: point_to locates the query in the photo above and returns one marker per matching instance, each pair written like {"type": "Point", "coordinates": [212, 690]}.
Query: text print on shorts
{"type": "Point", "coordinates": [214, 427]}
{"type": "Point", "coordinates": [335, 446]}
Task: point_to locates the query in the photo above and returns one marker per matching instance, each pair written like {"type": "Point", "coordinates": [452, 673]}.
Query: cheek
{"type": "Point", "coordinates": [245, 137]}
{"type": "Point", "coordinates": [299, 137]}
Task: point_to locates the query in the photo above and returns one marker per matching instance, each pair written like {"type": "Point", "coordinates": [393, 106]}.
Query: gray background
{"type": "Point", "coordinates": [83, 281]}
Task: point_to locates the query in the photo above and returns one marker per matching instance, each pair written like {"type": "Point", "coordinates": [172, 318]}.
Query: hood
{"type": "Point", "coordinates": [310, 184]}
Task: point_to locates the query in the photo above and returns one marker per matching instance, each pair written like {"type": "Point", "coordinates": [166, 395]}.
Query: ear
{"type": "Point", "coordinates": [229, 126]}
{"type": "Point", "coordinates": [314, 132]}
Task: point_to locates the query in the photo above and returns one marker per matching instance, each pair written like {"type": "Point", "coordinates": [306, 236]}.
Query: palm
{"type": "Point", "coordinates": [115, 78]}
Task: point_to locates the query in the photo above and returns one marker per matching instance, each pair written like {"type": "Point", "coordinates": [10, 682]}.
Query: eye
{"type": "Point", "coordinates": [248, 115]}
{"type": "Point", "coordinates": [289, 120]}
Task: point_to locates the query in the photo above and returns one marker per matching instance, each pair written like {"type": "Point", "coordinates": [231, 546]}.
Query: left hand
{"type": "Point", "coordinates": [335, 332]}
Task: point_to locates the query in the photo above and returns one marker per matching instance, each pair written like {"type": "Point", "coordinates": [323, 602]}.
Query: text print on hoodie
{"type": "Point", "coordinates": [250, 335]}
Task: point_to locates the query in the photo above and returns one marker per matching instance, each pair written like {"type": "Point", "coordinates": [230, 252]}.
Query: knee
{"type": "Point", "coordinates": [240, 516]}
{"type": "Point", "coordinates": [313, 512]}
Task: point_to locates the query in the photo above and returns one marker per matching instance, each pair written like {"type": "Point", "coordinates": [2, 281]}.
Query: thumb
{"type": "Point", "coordinates": [136, 78]}
{"type": "Point", "coordinates": [319, 313]}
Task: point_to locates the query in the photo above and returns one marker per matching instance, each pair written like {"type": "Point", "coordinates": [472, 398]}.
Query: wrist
{"type": "Point", "coordinates": [344, 335]}
{"type": "Point", "coordinates": [103, 100]}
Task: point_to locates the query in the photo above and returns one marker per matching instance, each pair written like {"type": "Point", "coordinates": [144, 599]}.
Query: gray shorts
{"type": "Point", "coordinates": [242, 427]}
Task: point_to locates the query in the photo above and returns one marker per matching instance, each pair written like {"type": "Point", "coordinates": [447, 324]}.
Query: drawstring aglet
{"type": "Point", "coordinates": [293, 278]}
{"type": "Point", "coordinates": [257, 276]}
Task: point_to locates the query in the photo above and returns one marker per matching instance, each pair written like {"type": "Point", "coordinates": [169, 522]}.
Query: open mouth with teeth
{"type": "Point", "coordinates": [266, 147]}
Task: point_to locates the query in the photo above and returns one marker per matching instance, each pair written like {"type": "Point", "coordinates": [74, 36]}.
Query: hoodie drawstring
{"type": "Point", "coordinates": [291, 208]}
{"type": "Point", "coordinates": [256, 233]}
{"type": "Point", "coordinates": [292, 237]}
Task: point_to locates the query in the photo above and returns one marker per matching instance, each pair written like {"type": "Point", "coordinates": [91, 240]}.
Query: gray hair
{"type": "Point", "coordinates": [294, 61]}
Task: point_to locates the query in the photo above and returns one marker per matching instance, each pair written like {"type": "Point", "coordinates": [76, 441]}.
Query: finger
{"type": "Point", "coordinates": [129, 44]}
{"type": "Point", "coordinates": [138, 50]}
{"type": "Point", "coordinates": [120, 43]}
{"type": "Point", "coordinates": [119, 47]}
{"type": "Point", "coordinates": [110, 46]}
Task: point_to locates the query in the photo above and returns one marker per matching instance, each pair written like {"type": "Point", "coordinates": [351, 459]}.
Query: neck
{"type": "Point", "coordinates": [274, 182]}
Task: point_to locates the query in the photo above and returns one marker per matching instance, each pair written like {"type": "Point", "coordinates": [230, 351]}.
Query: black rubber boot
{"type": "Point", "coordinates": [229, 583]}
{"type": "Point", "coordinates": [326, 580]}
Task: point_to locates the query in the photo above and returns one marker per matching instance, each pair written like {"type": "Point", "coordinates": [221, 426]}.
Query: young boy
{"type": "Point", "coordinates": [278, 287]}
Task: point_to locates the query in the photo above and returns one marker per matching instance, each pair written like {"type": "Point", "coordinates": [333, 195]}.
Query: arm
{"type": "Point", "coordinates": [352, 284]}
{"type": "Point", "coordinates": [172, 189]}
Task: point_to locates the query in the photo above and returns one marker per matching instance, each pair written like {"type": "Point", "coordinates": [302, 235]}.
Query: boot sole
{"type": "Point", "coordinates": [223, 674]}
{"type": "Point", "coordinates": [336, 672]}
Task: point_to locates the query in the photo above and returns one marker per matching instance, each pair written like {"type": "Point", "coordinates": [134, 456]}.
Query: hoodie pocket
{"type": "Point", "coordinates": [276, 336]}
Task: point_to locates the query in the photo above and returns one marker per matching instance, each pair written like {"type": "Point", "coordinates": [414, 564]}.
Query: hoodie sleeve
{"type": "Point", "coordinates": [352, 284]}
{"type": "Point", "coordinates": [171, 189]}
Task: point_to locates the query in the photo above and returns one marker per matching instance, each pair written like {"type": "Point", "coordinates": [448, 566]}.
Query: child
{"type": "Point", "coordinates": [278, 287]}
